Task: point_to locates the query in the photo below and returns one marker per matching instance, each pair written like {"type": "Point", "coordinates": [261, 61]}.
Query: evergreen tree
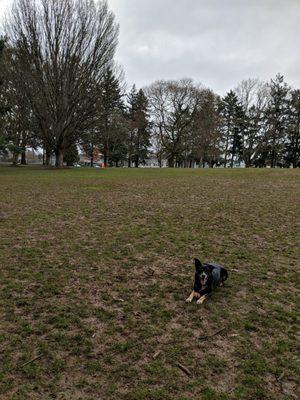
{"type": "Point", "coordinates": [71, 155]}
{"type": "Point", "coordinates": [236, 149]}
{"type": "Point", "coordinates": [232, 116]}
{"type": "Point", "coordinates": [19, 123]}
{"type": "Point", "coordinates": [131, 113]}
{"type": "Point", "coordinates": [292, 148]}
{"type": "Point", "coordinates": [276, 120]}
{"type": "Point", "coordinates": [139, 136]}
{"type": "Point", "coordinates": [89, 141]}
{"type": "Point", "coordinates": [110, 103]}
{"type": "Point", "coordinates": [118, 143]}
{"type": "Point", "coordinates": [252, 125]}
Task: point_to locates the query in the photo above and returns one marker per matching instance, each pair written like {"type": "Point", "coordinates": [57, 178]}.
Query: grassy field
{"type": "Point", "coordinates": [96, 266]}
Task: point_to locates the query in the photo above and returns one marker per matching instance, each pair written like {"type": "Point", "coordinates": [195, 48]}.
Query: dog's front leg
{"type": "Point", "coordinates": [190, 298]}
{"type": "Point", "coordinates": [202, 299]}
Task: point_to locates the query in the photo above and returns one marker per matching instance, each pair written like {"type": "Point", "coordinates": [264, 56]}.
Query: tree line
{"type": "Point", "coordinates": [61, 90]}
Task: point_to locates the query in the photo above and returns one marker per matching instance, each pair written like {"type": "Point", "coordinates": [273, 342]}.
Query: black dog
{"type": "Point", "coordinates": [207, 278]}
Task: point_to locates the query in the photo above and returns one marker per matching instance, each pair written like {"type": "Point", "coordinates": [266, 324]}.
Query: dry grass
{"type": "Point", "coordinates": [76, 250]}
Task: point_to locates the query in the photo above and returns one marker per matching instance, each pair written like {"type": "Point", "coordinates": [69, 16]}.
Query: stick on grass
{"type": "Point", "coordinates": [210, 336]}
{"type": "Point", "coordinates": [184, 369]}
{"type": "Point", "coordinates": [31, 361]}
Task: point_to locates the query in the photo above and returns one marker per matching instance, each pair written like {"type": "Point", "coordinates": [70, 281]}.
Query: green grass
{"type": "Point", "coordinates": [76, 247]}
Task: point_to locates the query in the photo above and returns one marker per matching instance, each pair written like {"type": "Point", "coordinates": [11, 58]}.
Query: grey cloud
{"type": "Point", "coordinates": [217, 42]}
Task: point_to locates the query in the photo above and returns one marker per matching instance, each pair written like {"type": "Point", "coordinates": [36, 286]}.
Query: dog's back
{"type": "Point", "coordinates": [219, 273]}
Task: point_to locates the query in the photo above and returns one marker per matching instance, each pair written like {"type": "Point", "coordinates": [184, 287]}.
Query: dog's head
{"type": "Point", "coordinates": [202, 274]}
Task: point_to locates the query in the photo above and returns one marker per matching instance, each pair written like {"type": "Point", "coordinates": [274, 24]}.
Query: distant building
{"type": "Point", "coordinates": [98, 159]}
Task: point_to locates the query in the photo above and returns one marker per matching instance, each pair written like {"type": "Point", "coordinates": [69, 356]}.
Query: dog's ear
{"type": "Point", "coordinates": [198, 264]}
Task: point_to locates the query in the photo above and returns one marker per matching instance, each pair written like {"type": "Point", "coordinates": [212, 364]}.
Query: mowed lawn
{"type": "Point", "coordinates": [96, 266]}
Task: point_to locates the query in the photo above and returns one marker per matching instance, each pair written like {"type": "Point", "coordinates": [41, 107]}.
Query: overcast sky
{"type": "Point", "coordinates": [216, 42]}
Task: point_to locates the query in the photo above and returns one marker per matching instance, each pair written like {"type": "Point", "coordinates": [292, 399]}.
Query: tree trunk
{"type": "Point", "coordinates": [171, 162]}
{"type": "Point", "coordinates": [247, 159]}
{"type": "Point", "coordinates": [296, 149]}
{"type": "Point", "coordinates": [15, 158]}
{"type": "Point", "coordinates": [273, 153]}
{"type": "Point", "coordinates": [160, 161]}
{"type": "Point", "coordinates": [59, 157]}
{"type": "Point", "coordinates": [47, 157]}
{"type": "Point", "coordinates": [92, 157]}
{"type": "Point", "coordinates": [137, 161]}
{"type": "Point", "coordinates": [105, 157]}
{"type": "Point", "coordinates": [273, 159]}
{"type": "Point", "coordinates": [226, 151]}
{"type": "Point", "coordinates": [23, 158]}
{"type": "Point", "coordinates": [231, 162]}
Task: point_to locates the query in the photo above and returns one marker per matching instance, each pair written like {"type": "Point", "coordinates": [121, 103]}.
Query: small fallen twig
{"type": "Point", "coordinates": [280, 376]}
{"type": "Point", "coordinates": [184, 369]}
{"type": "Point", "coordinates": [118, 299]}
{"type": "Point", "coordinates": [155, 355]}
{"type": "Point", "coordinates": [279, 380]}
{"type": "Point", "coordinates": [169, 272]}
{"type": "Point", "coordinates": [212, 335]}
{"type": "Point", "coordinates": [31, 361]}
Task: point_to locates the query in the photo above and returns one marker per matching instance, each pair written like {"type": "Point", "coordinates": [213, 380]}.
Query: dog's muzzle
{"type": "Point", "coordinates": [203, 279]}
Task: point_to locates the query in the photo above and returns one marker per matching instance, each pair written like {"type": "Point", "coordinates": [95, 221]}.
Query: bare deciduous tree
{"type": "Point", "coordinates": [61, 51]}
{"type": "Point", "coordinates": [206, 135]}
{"type": "Point", "coordinates": [253, 96]}
{"type": "Point", "coordinates": [173, 105]}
